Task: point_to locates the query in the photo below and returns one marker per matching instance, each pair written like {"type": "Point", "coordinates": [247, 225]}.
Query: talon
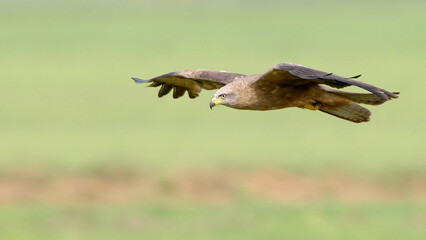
{"type": "Point", "coordinates": [312, 106]}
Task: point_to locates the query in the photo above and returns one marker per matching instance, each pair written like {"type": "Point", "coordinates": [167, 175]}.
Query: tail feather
{"type": "Point", "coordinates": [347, 107]}
{"type": "Point", "coordinates": [351, 112]}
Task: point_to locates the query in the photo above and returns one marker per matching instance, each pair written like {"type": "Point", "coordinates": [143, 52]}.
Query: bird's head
{"type": "Point", "coordinates": [224, 96]}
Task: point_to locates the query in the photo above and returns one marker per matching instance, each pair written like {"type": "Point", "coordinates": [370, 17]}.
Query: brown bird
{"type": "Point", "coordinates": [284, 85]}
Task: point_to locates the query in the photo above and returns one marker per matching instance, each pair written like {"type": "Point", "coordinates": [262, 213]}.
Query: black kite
{"type": "Point", "coordinates": [284, 85]}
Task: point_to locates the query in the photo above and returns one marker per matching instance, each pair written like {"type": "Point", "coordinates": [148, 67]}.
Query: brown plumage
{"type": "Point", "coordinates": [284, 85]}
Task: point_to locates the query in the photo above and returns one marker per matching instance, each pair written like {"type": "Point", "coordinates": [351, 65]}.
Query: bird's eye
{"type": "Point", "coordinates": [222, 96]}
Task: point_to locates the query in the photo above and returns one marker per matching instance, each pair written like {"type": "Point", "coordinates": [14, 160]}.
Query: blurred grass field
{"type": "Point", "coordinates": [245, 221]}
{"type": "Point", "coordinates": [68, 106]}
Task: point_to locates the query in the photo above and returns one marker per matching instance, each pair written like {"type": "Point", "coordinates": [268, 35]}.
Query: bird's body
{"type": "Point", "coordinates": [284, 85]}
{"type": "Point", "coordinates": [275, 97]}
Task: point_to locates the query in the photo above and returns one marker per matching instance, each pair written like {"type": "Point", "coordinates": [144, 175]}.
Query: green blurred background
{"type": "Point", "coordinates": [86, 153]}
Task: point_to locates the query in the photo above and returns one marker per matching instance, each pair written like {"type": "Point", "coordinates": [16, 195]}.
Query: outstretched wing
{"type": "Point", "coordinates": [190, 80]}
{"type": "Point", "coordinates": [288, 74]}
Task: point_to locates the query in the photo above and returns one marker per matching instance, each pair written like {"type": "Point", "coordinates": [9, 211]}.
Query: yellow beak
{"type": "Point", "coordinates": [215, 102]}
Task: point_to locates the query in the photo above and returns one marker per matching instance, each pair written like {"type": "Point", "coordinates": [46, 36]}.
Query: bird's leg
{"type": "Point", "coordinates": [312, 106]}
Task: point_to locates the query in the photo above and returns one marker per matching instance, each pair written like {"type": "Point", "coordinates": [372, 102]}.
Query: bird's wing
{"type": "Point", "coordinates": [190, 80]}
{"type": "Point", "coordinates": [288, 74]}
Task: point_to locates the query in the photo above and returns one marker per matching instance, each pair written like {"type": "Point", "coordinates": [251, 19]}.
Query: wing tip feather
{"type": "Point", "coordinates": [138, 80]}
{"type": "Point", "coordinates": [357, 76]}
{"type": "Point", "coordinates": [392, 95]}
{"type": "Point", "coordinates": [386, 96]}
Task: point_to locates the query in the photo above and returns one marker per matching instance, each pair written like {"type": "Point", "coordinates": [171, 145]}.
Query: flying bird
{"type": "Point", "coordinates": [284, 85]}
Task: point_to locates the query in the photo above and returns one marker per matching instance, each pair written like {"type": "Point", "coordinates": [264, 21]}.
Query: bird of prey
{"type": "Point", "coordinates": [284, 85]}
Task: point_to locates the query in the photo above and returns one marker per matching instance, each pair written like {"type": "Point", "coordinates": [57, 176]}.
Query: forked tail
{"type": "Point", "coordinates": [352, 112]}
